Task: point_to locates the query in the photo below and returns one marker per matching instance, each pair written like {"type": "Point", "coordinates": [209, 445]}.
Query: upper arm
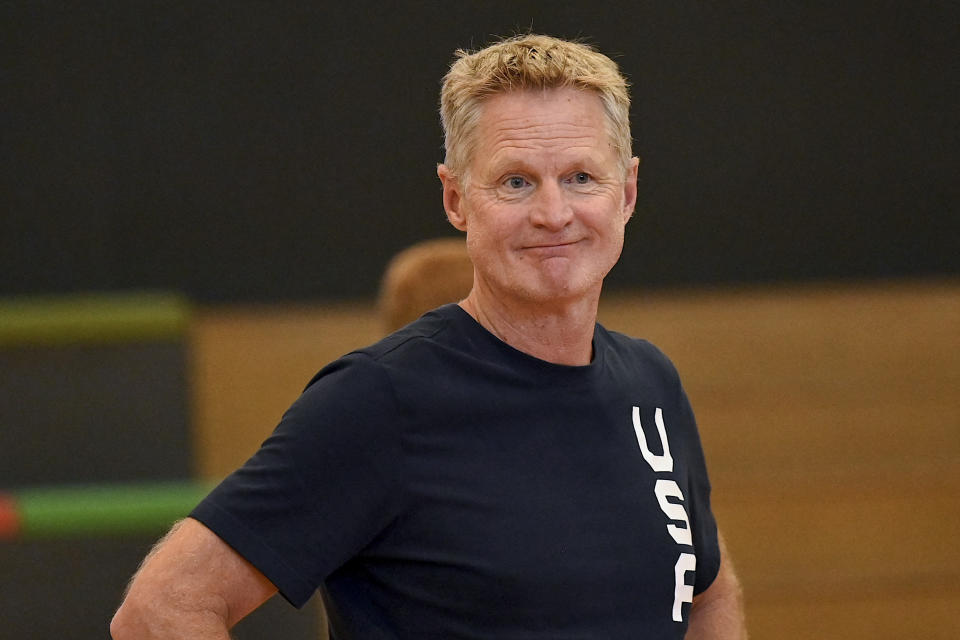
{"type": "Point", "coordinates": [717, 612]}
{"type": "Point", "coordinates": [191, 583]}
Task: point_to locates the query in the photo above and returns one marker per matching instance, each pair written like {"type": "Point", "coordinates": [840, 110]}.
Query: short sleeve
{"type": "Point", "coordinates": [321, 487]}
{"type": "Point", "coordinates": [702, 521]}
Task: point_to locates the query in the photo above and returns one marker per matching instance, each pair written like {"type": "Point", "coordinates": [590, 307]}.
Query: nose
{"type": "Point", "coordinates": [551, 208]}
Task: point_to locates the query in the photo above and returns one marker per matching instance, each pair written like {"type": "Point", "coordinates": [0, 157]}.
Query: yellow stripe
{"type": "Point", "coordinates": [92, 318]}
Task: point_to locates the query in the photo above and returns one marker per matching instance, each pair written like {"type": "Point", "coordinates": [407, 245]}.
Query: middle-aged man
{"type": "Point", "coordinates": [503, 467]}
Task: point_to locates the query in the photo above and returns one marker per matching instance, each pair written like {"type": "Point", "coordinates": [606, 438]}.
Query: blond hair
{"type": "Point", "coordinates": [528, 62]}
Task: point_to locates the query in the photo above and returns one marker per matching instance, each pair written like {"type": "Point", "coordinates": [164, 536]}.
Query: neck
{"type": "Point", "coordinates": [561, 333]}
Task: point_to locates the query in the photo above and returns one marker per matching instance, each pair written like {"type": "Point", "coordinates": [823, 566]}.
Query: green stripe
{"type": "Point", "coordinates": [93, 318]}
{"type": "Point", "coordinates": [105, 510]}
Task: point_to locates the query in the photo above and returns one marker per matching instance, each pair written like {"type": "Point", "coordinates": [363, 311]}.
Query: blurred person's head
{"type": "Point", "coordinates": [424, 276]}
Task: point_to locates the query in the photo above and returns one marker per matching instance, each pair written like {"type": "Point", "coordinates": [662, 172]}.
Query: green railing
{"type": "Point", "coordinates": [96, 510]}
{"type": "Point", "coordinates": [92, 318]}
{"type": "Point", "coordinates": [86, 319]}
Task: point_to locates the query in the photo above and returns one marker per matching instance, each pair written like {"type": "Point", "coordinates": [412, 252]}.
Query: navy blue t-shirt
{"type": "Point", "coordinates": [441, 484]}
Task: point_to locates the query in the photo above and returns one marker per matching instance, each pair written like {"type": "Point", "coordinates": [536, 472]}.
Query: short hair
{"type": "Point", "coordinates": [528, 61]}
{"type": "Point", "coordinates": [424, 276]}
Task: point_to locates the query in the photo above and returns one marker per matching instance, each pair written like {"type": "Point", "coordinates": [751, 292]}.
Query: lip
{"type": "Point", "coordinates": [550, 249]}
{"type": "Point", "coordinates": [551, 245]}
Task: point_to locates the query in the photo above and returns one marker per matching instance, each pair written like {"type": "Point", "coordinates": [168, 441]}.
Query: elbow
{"type": "Point", "coordinates": [116, 627]}
{"type": "Point", "coordinates": [121, 626]}
{"type": "Point", "coordinates": [131, 621]}
{"type": "Point", "coordinates": [151, 615]}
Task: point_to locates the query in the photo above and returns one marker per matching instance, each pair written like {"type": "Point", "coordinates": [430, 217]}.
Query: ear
{"type": "Point", "coordinates": [630, 189]}
{"type": "Point", "coordinates": [452, 197]}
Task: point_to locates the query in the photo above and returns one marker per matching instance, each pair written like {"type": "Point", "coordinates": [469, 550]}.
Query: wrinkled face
{"type": "Point", "coordinates": [544, 201]}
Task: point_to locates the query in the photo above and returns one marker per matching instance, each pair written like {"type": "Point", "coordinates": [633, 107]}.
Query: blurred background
{"type": "Point", "coordinates": [198, 202]}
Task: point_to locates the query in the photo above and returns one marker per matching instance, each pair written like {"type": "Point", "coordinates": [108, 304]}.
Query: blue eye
{"type": "Point", "coordinates": [516, 182]}
{"type": "Point", "coordinates": [582, 178]}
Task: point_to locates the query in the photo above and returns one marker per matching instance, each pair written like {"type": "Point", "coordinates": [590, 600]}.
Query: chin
{"type": "Point", "coordinates": [563, 290]}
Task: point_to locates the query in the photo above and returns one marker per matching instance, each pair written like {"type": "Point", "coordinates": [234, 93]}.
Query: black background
{"type": "Point", "coordinates": [270, 151]}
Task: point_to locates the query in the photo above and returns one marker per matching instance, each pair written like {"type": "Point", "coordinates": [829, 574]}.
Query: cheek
{"type": "Point", "coordinates": [482, 241]}
{"type": "Point", "coordinates": [610, 231]}
{"type": "Point", "coordinates": [605, 220]}
{"type": "Point", "coordinates": [491, 229]}
{"type": "Point", "coordinates": [485, 246]}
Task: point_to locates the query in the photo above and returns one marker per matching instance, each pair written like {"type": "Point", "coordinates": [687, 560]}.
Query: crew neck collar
{"type": "Point", "coordinates": [520, 359]}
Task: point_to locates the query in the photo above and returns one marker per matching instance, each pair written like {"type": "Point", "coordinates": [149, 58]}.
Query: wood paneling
{"type": "Point", "coordinates": [248, 365]}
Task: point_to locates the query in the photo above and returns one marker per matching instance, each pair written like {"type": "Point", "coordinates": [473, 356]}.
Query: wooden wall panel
{"type": "Point", "coordinates": [248, 365]}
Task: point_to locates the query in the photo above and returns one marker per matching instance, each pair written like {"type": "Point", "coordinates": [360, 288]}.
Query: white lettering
{"type": "Point", "coordinates": [683, 592]}
{"type": "Point", "coordinates": [658, 463]}
{"type": "Point", "coordinates": [679, 525]}
{"type": "Point", "coordinates": [670, 489]}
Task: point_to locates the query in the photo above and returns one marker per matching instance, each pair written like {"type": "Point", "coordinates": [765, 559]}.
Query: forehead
{"type": "Point", "coordinates": [550, 120]}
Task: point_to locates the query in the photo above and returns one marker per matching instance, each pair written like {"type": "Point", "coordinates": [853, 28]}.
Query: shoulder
{"type": "Point", "coordinates": [628, 353]}
{"type": "Point", "coordinates": [368, 378]}
{"type": "Point", "coordinates": [368, 363]}
{"type": "Point", "coordinates": [434, 326]}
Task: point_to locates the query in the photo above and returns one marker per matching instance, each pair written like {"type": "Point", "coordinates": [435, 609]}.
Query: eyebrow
{"type": "Point", "coordinates": [508, 163]}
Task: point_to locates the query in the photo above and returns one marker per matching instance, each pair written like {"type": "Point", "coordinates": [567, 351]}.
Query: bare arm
{"type": "Point", "coordinates": [717, 613]}
{"type": "Point", "coordinates": [192, 585]}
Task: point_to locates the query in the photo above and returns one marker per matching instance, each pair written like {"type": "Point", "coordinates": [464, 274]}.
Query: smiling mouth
{"type": "Point", "coordinates": [552, 250]}
{"type": "Point", "coordinates": [552, 245]}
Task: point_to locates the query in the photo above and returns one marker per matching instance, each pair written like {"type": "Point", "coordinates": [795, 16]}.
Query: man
{"type": "Point", "coordinates": [500, 468]}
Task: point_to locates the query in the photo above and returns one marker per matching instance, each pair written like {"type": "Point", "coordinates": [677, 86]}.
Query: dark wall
{"type": "Point", "coordinates": [270, 150]}
{"type": "Point", "coordinates": [71, 587]}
